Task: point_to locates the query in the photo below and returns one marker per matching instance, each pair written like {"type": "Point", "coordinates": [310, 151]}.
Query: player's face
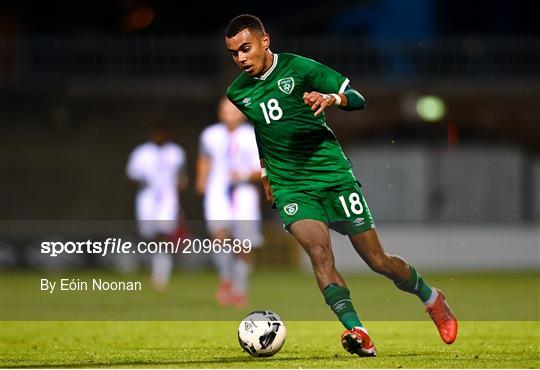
{"type": "Point", "coordinates": [250, 51]}
{"type": "Point", "coordinates": [159, 136]}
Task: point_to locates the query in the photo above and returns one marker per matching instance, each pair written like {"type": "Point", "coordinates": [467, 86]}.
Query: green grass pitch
{"type": "Point", "coordinates": [499, 326]}
{"type": "Point", "coordinates": [309, 344]}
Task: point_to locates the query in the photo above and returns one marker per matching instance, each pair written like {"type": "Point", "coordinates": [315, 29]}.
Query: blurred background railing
{"type": "Point", "coordinates": [201, 58]}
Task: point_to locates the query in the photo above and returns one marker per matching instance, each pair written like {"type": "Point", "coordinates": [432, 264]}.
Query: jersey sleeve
{"type": "Point", "coordinates": [324, 79]}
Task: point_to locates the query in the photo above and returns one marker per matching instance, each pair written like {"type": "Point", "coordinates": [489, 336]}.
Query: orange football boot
{"type": "Point", "coordinates": [444, 318]}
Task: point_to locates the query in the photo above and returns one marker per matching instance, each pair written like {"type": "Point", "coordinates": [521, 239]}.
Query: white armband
{"type": "Point", "coordinates": [337, 99]}
{"type": "Point", "coordinates": [263, 172]}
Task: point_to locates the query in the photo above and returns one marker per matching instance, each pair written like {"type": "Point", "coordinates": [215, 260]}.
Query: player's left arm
{"type": "Point", "coordinates": [328, 88]}
{"type": "Point", "coordinates": [349, 99]}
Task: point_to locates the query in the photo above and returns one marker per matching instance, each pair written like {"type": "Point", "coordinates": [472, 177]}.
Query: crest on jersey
{"type": "Point", "coordinates": [286, 85]}
{"type": "Point", "coordinates": [291, 209]}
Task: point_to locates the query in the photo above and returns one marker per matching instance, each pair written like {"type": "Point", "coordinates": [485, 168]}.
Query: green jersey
{"type": "Point", "coordinates": [299, 150]}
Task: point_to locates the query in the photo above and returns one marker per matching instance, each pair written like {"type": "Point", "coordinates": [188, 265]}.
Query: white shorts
{"type": "Point", "coordinates": [155, 217]}
{"type": "Point", "coordinates": [150, 229]}
{"type": "Point", "coordinates": [239, 214]}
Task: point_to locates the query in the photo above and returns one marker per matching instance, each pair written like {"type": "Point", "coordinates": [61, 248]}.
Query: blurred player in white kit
{"type": "Point", "coordinates": [228, 170]}
{"type": "Point", "coordinates": [158, 168]}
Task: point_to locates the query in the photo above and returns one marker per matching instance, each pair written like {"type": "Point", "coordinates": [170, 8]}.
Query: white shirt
{"type": "Point", "coordinates": [230, 151]}
{"type": "Point", "coordinates": [158, 168]}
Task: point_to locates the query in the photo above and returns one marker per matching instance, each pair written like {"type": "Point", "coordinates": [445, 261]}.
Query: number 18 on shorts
{"type": "Point", "coordinates": [342, 207]}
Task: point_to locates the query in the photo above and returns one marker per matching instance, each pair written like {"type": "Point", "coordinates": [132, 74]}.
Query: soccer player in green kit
{"type": "Point", "coordinates": [307, 176]}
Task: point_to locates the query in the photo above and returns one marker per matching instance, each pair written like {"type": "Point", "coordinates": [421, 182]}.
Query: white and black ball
{"type": "Point", "coordinates": [262, 333]}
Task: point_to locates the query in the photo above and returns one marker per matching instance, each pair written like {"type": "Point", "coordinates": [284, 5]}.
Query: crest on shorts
{"type": "Point", "coordinates": [291, 209]}
{"type": "Point", "coordinates": [286, 85]}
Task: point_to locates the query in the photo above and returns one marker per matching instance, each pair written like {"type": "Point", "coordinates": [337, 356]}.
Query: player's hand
{"type": "Point", "coordinates": [267, 190]}
{"type": "Point", "coordinates": [318, 102]}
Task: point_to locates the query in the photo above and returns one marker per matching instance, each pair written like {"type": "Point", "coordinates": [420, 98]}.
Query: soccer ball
{"type": "Point", "coordinates": [262, 333]}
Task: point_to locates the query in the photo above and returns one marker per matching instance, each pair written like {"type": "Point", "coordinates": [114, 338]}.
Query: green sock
{"type": "Point", "coordinates": [339, 300]}
{"type": "Point", "coordinates": [415, 285]}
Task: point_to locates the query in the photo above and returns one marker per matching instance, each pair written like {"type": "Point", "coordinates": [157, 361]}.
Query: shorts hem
{"type": "Point", "coordinates": [287, 227]}
{"type": "Point", "coordinates": [355, 232]}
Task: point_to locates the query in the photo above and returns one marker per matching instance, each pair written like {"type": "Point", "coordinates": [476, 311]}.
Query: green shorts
{"type": "Point", "coordinates": [341, 207]}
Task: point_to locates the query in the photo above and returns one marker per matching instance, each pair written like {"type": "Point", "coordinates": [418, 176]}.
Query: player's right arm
{"type": "Point", "coordinates": [203, 168]}
{"type": "Point", "coordinates": [266, 184]}
{"type": "Point", "coordinates": [203, 164]}
{"type": "Point", "coordinates": [264, 178]}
